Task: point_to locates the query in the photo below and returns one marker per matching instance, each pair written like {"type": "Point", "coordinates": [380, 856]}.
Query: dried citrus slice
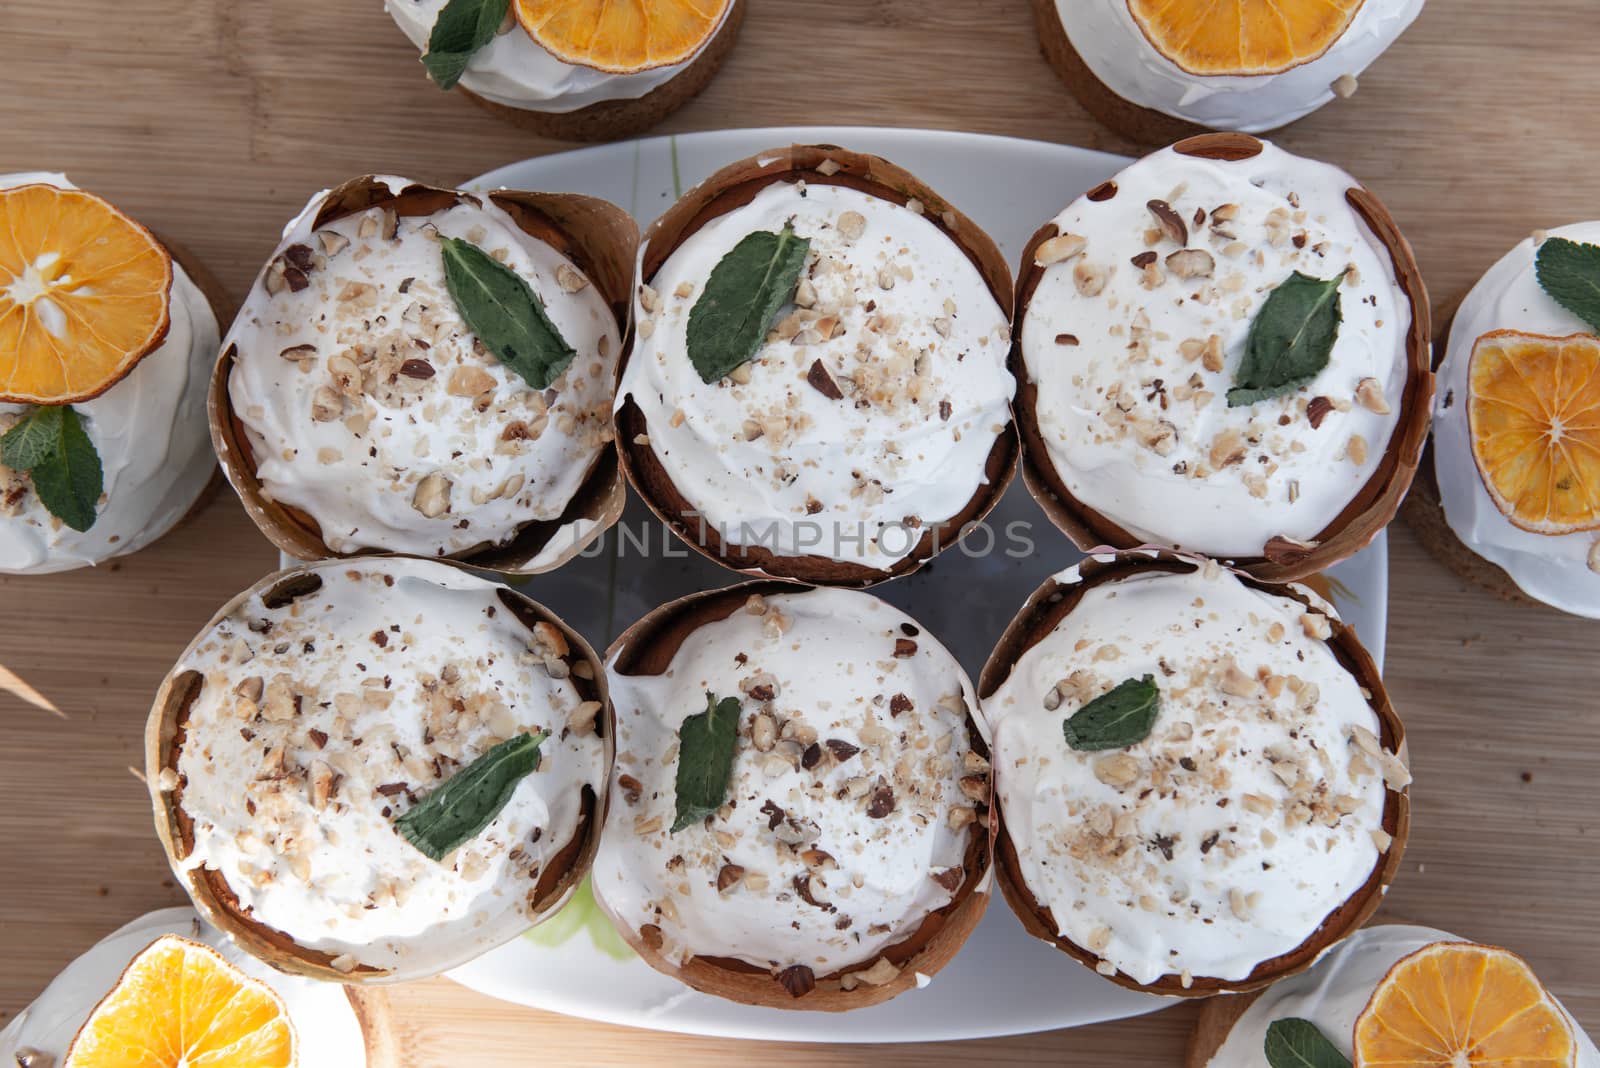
{"type": "Point", "coordinates": [1218, 37]}
{"type": "Point", "coordinates": [1459, 1005]}
{"type": "Point", "coordinates": [621, 36]}
{"type": "Point", "coordinates": [1533, 412]}
{"type": "Point", "coordinates": [180, 1004]}
{"type": "Point", "coordinates": [83, 294]}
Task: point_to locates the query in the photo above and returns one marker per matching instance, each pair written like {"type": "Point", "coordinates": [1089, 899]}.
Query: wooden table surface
{"type": "Point", "coordinates": [212, 121]}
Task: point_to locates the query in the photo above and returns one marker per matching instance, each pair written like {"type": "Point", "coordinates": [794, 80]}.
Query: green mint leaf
{"type": "Point", "coordinates": [505, 313]}
{"type": "Point", "coordinates": [456, 812]}
{"type": "Point", "coordinates": [1117, 719]}
{"type": "Point", "coordinates": [463, 27]}
{"type": "Point", "coordinates": [746, 290]}
{"type": "Point", "coordinates": [705, 759]}
{"type": "Point", "coordinates": [1290, 339]}
{"type": "Point", "coordinates": [51, 446]}
{"type": "Point", "coordinates": [1296, 1043]}
{"type": "Point", "coordinates": [33, 440]}
{"type": "Point", "coordinates": [1570, 273]}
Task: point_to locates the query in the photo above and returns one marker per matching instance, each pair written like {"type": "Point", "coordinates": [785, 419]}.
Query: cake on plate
{"type": "Point", "coordinates": [1201, 782]}
{"type": "Point", "coordinates": [584, 71]}
{"type": "Point", "coordinates": [1158, 70]}
{"type": "Point", "coordinates": [799, 816]}
{"type": "Point", "coordinates": [430, 372]}
{"type": "Point", "coordinates": [1224, 349]}
{"type": "Point", "coordinates": [376, 770]}
{"type": "Point", "coordinates": [105, 347]}
{"type": "Point", "coordinates": [816, 388]}
{"type": "Point", "coordinates": [1512, 499]}
{"type": "Point", "coordinates": [1400, 996]}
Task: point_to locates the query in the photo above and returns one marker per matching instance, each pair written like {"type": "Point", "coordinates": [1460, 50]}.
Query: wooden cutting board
{"type": "Point", "coordinates": [213, 120]}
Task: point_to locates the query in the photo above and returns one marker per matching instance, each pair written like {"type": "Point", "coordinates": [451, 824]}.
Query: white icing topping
{"type": "Point", "coordinates": [1113, 47]}
{"type": "Point", "coordinates": [516, 71]}
{"type": "Point", "coordinates": [150, 431]}
{"type": "Point", "coordinates": [327, 1031]}
{"type": "Point", "coordinates": [1550, 568]}
{"type": "Point", "coordinates": [1135, 416]}
{"type": "Point", "coordinates": [897, 728]}
{"type": "Point", "coordinates": [1333, 994]}
{"type": "Point", "coordinates": [395, 430]}
{"type": "Point", "coordinates": [1227, 836]}
{"type": "Point", "coordinates": [918, 354]}
{"type": "Point", "coordinates": [359, 699]}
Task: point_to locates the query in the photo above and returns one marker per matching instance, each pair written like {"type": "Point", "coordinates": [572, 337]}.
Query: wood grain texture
{"type": "Point", "coordinates": [213, 121]}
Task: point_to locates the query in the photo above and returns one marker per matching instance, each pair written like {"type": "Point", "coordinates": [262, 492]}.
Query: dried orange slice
{"type": "Point", "coordinates": [621, 36]}
{"type": "Point", "coordinates": [1240, 37]}
{"type": "Point", "coordinates": [1459, 1005]}
{"type": "Point", "coordinates": [180, 1005]}
{"type": "Point", "coordinates": [1533, 412]}
{"type": "Point", "coordinates": [83, 294]}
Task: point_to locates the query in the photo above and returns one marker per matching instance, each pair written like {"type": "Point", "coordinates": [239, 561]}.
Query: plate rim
{"type": "Point", "coordinates": [788, 1024]}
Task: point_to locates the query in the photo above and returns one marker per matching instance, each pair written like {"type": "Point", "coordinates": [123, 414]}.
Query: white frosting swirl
{"type": "Point", "coordinates": [888, 726]}
{"type": "Point", "coordinates": [1333, 994]}
{"type": "Point", "coordinates": [1112, 46]}
{"type": "Point", "coordinates": [515, 70]}
{"type": "Point", "coordinates": [367, 695]}
{"type": "Point", "coordinates": [918, 354]}
{"type": "Point", "coordinates": [341, 426]}
{"type": "Point", "coordinates": [1132, 407]}
{"type": "Point", "coordinates": [150, 432]}
{"type": "Point", "coordinates": [1549, 568]}
{"type": "Point", "coordinates": [1247, 816]}
{"type": "Point", "coordinates": [326, 1028]}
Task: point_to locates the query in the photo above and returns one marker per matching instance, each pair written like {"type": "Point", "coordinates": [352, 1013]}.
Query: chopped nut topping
{"type": "Point", "coordinates": [729, 877]}
{"type": "Point", "coordinates": [1119, 769]}
{"type": "Point", "coordinates": [1191, 263]}
{"type": "Point", "coordinates": [1317, 410]}
{"type": "Point", "coordinates": [823, 382]}
{"type": "Point", "coordinates": [1058, 249]}
{"type": "Point", "coordinates": [1089, 278]}
{"type": "Point", "coordinates": [1315, 625]}
{"type": "Point", "coordinates": [432, 496]}
{"type": "Point", "coordinates": [1171, 222]}
{"type": "Point", "coordinates": [570, 279]}
{"type": "Point", "coordinates": [1369, 391]}
{"type": "Point", "coordinates": [798, 980]}
{"type": "Point", "coordinates": [881, 973]}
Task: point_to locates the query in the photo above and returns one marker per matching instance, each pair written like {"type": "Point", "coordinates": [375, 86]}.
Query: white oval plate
{"type": "Point", "coordinates": [1003, 982]}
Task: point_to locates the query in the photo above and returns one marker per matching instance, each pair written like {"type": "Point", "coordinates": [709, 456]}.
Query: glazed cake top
{"type": "Point", "coordinates": [1138, 327]}
{"type": "Point", "coordinates": [370, 404]}
{"type": "Point", "coordinates": [322, 721]}
{"type": "Point", "coordinates": [852, 799]}
{"type": "Point", "coordinates": [1253, 809]}
{"type": "Point", "coordinates": [868, 414]}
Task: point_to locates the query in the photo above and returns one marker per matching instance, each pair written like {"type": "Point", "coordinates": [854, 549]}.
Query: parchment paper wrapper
{"type": "Point", "coordinates": [647, 648]}
{"type": "Point", "coordinates": [215, 899]}
{"type": "Point", "coordinates": [732, 187]}
{"type": "Point", "coordinates": [1283, 559]}
{"type": "Point", "coordinates": [599, 237]}
{"type": "Point", "coordinates": [1051, 603]}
